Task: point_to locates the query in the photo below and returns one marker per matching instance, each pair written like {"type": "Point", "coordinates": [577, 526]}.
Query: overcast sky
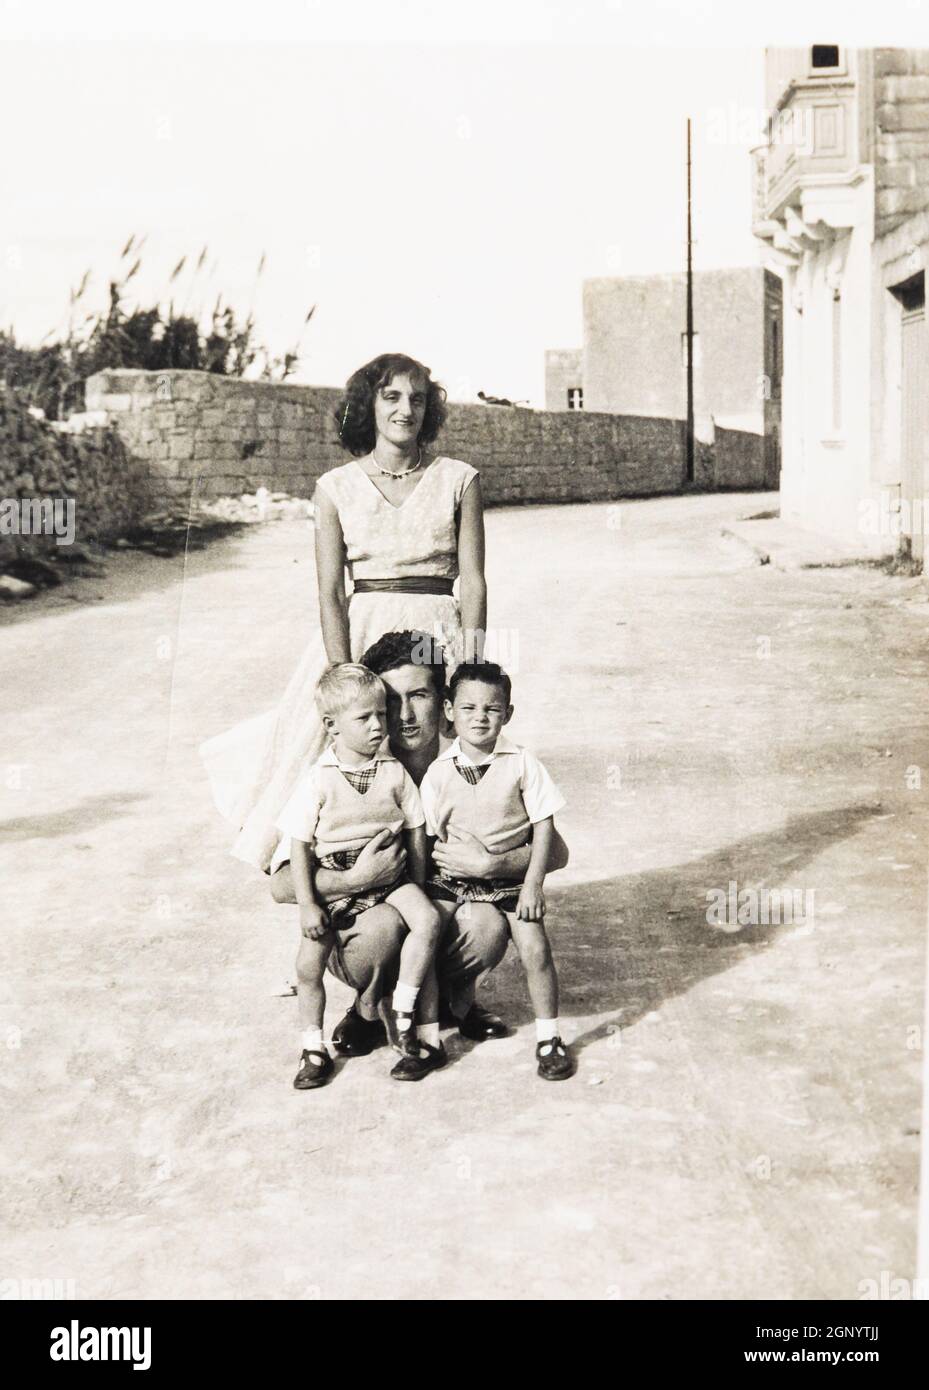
{"type": "Point", "coordinates": [444, 199]}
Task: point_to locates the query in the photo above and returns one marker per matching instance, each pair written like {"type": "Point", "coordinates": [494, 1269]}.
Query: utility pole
{"type": "Point", "coordinates": [689, 466]}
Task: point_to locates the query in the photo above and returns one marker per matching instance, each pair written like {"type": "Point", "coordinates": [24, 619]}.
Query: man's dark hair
{"type": "Point", "coordinates": [354, 414]}
{"type": "Point", "coordinates": [487, 671]}
{"type": "Point", "coordinates": [409, 648]}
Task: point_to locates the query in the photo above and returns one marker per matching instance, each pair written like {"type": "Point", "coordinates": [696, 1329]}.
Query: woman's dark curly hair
{"type": "Point", "coordinates": [354, 414]}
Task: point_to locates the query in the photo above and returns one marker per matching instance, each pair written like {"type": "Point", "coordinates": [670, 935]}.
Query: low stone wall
{"type": "Point", "coordinates": [58, 486]}
{"type": "Point", "coordinates": [218, 435]}
{"type": "Point", "coordinates": [739, 460]}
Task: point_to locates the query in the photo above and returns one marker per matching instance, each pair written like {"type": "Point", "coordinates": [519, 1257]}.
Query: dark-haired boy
{"type": "Point", "coordinates": [486, 785]}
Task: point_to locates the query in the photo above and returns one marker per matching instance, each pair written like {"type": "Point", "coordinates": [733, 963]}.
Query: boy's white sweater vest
{"type": "Point", "coordinates": [492, 809]}
{"type": "Point", "coordinates": [348, 818]}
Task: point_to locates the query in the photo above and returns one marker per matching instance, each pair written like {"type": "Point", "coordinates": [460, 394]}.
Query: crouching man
{"type": "Point", "coordinates": [471, 944]}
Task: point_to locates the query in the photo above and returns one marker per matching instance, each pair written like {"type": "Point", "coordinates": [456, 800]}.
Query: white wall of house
{"type": "Point", "coordinates": [826, 477]}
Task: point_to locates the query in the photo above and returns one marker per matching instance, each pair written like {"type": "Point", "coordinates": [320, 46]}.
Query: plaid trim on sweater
{"type": "Point", "coordinates": [362, 779]}
{"type": "Point", "coordinates": [470, 772]}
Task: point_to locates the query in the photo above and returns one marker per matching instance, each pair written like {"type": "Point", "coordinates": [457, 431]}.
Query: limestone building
{"type": "Point", "coordinates": [564, 379]}
{"type": "Point", "coordinates": [634, 354]}
{"type": "Point", "coordinates": [841, 205]}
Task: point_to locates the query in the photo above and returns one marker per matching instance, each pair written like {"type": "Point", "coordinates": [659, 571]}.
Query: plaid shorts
{"type": "Point", "coordinates": [345, 909]}
{"type": "Point", "coordinates": [501, 892]}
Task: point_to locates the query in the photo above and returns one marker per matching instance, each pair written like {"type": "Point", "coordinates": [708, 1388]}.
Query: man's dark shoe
{"type": "Point", "coordinates": [418, 1060]}
{"type": "Point", "coordinates": [316, 1068]}
{"type": "Point", "coordinates": [354, 1036]}
{"type": "Point", "coordinates": [555, 1061]}
{"type": "Point", "coordinates": [479, 1024]}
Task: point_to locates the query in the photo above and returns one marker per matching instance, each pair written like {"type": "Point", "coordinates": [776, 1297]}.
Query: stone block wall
{"type": "Point", "coordinates": [224, 435]}
{"type": "Point", "coordinates": [901, 135]}
{"type": "Point", "coordinates": [740, 461]}
{"type": "Point", "coordinates": [215, 435]}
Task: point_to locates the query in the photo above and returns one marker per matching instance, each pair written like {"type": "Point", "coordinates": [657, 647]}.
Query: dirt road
{"type": "Point", "coordinates": [744, 1121]}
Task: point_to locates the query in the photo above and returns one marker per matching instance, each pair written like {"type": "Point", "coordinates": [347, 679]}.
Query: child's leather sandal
{"type": "Point", "coordinates": [419, 1061]}
{"type": "Point", "coordinates": [316, 1068]}
{"type": "Point", "coordinates": [557, 1063]}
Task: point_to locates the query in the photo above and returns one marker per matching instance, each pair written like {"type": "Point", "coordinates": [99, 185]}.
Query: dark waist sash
{"type": "Point", "coordinates": [414, 584]}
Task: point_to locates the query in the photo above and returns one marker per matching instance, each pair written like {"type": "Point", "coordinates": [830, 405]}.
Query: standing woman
{"type": "Point", "coordinates": [404, 522]}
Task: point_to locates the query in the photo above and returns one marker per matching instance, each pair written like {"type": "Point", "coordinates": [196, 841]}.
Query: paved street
{"type": "Point", "coordinates": [744, 1121]}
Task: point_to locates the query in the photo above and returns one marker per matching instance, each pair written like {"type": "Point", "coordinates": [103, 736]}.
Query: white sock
{"type": "Point", "coordinates": [405, 1003]}
{"type": "Point", "coordinates": [312, 1040]}
{"type": "Point", "coordinates": [429, 1033]}
{"type": "Point", "coordinates": [546, 1029]}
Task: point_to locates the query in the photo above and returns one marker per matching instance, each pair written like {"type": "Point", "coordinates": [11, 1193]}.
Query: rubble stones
{"type": "Point", "coordinates": [90, 466]}
{"type": "Point", "coordinates": [11, 589]}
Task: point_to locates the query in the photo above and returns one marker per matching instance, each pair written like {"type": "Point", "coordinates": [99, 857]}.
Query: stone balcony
{"type": "Point", "coordinates": [805, 176]}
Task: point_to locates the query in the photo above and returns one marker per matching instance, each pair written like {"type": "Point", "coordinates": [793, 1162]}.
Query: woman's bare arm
{"type": "Point", "coordinates": [330, 575]}
{"type": "Point", "coordinates": [472, 587]}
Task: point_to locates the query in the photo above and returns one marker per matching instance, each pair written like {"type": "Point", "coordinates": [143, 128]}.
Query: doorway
{"type": "Point", "coordinates": [914, 412]}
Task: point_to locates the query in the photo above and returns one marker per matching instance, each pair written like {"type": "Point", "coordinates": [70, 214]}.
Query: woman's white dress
{"type": "Point", "coordinates": [254, 767]}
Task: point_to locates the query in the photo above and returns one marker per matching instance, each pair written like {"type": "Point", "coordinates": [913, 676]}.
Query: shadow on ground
{"type": "Point", "coordinates": [624, 945]}
{"type": "Point", "coordinates": [82, 817]}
